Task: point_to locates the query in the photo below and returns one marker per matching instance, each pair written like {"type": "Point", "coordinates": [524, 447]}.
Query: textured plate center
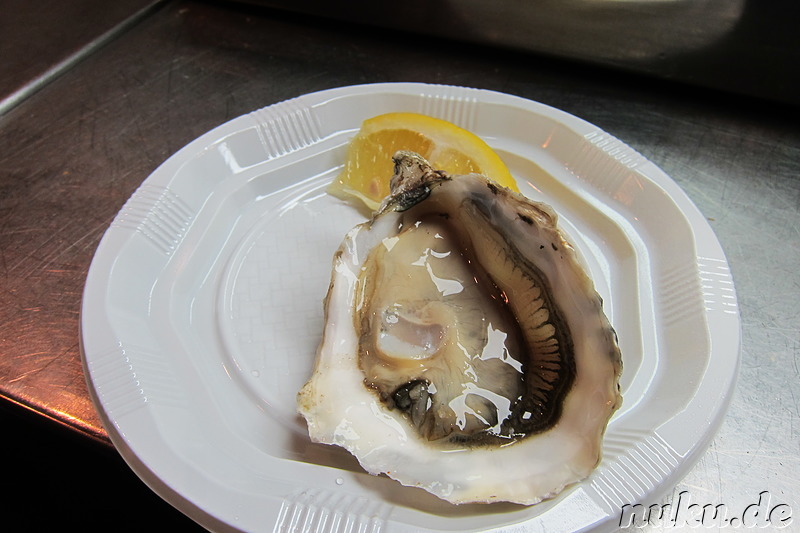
{"type": "Point", "coordinates": [271, 317]}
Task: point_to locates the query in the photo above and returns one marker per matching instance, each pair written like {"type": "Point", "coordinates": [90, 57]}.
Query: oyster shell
{"type": "Point", "coordinates": [465, 350]}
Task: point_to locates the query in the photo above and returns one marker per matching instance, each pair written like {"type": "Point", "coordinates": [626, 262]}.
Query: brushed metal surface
{"type": "Point", "coordinates": [40, 41]}
{"type": "Point", "coordinates": [72, 154]}
{"type": "Point", "coordinates": [742, 46]}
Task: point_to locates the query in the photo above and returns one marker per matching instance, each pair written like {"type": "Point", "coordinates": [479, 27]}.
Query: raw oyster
{"type": "Point", "coordinates": [465, 350]}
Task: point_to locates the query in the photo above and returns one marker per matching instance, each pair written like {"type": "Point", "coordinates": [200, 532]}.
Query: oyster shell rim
{"type": "Point", "coordinates": [350, 438]}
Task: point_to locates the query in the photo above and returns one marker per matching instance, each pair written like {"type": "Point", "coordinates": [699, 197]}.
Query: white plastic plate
{"type": "Point", "coordinates": [203, 310]}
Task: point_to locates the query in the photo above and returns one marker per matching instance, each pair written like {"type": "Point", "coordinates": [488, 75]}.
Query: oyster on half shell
{"type": "Point", "coordinates": [465, 350]}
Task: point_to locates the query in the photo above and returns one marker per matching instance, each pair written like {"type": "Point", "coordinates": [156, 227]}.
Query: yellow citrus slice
{"type": "Point", "coordinates": [447, 147]}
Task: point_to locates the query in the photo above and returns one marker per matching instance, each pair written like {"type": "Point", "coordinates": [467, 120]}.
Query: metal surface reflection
{"type": "Point", "coordinates": [617, 31]}
{"type": "Point", "coordinates": [741, 46]}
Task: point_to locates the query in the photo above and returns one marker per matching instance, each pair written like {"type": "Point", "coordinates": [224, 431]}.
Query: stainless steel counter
{"type": "Point", "coordinates": [41, 41]}
{"type": "Point", "coordinates": [73, 152]}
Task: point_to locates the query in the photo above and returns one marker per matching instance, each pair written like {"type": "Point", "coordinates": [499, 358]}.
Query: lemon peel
{"type": "Point", "coordinates": [368, 165]}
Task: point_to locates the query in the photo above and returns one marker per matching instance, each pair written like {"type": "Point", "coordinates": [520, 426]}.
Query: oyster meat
{"type": "Point", "coordinates": [465, 350]}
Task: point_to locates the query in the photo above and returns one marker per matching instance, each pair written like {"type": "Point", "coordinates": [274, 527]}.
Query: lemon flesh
{"type": "Point", "coordinates": [368, 166]}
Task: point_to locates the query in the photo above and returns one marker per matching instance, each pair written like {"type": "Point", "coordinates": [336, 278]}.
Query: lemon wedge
{"type": "Point", "coordinates": [368, 166]}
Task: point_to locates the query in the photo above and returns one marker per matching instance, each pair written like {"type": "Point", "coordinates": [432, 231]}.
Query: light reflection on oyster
{"type": "Point", "coordinates": [465, 350]}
